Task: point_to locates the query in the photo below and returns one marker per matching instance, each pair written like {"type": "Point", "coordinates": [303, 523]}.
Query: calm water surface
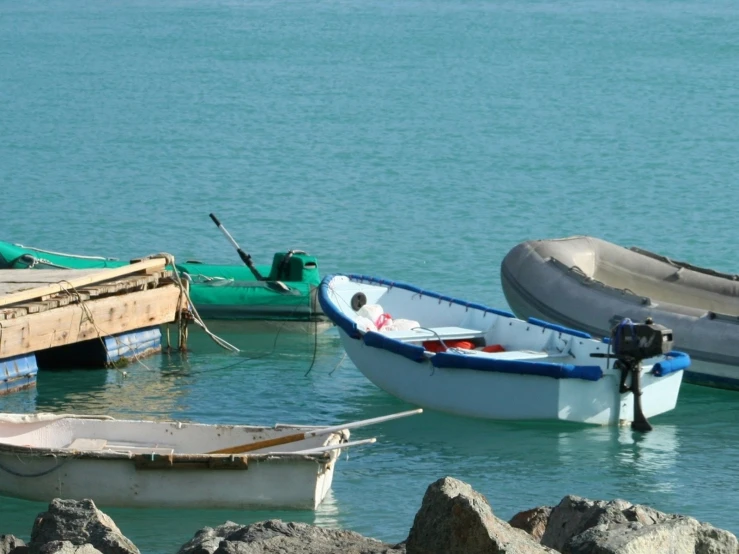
{"type": "Point", "coordinates": [416, 140]}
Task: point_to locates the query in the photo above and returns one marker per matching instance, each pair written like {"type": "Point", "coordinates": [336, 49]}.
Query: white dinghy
{"type": "Point", "coordinates": [464, 358]}
{"type": "Point", "coordinates": [135, 463]}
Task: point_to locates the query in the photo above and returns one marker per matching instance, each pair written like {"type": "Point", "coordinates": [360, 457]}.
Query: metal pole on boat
{"type": "Point", "coordinates": [248, 447]}
{"type": "Point", "coordinates": [332, 447]}
{"type": "Point", "coordinates": [639, 423]}
{"type": "Point", "coordinates": [246, 258]}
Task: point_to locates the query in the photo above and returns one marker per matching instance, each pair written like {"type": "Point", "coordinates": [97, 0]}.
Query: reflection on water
{"type": "Point", "coordinates": [378, 488]}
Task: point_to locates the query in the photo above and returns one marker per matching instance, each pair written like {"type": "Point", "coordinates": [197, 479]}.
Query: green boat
{"type": "Point", "coordinates": [286, 292]}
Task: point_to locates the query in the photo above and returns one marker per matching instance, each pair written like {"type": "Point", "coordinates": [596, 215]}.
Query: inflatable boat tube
{"type": "Point", "coordinates": [590, 284]}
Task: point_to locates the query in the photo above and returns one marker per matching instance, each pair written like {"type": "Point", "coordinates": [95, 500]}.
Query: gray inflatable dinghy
{"type": "Point", "coordinates": [591, 284]}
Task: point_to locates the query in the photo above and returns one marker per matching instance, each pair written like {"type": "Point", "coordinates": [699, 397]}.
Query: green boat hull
{"type": "Point", "coordinates": [219, 292]}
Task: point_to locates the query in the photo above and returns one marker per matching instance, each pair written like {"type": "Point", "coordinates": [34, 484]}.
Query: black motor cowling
{"type": "Point", "coordinates": [639, 341]}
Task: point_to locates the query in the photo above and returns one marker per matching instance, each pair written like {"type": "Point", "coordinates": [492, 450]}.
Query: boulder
{"type": "Point", "coordinates": [66, 547]}
{"type": "Point", "coordinates": [455, 519]}
{"type": "Point", "coordinates": [533, 521]}
{"type": "Point", "coordinates": [276, 536]}
{"type": "Point", "coordinates": [581, 526]}
{"type": "Point", "coordinates": [78, 522]}
{"type": "Point", "coordinates": [10, 544]}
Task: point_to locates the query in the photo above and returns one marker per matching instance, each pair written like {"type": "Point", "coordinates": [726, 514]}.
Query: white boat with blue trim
{"type": "Point", "coordinates": [467, 359]}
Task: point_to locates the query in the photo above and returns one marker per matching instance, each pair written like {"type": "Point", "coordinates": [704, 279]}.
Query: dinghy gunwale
{"type": "Point", "coordinates": [468, 361]}
{"type": "Point", "coordinates": [121, 453]}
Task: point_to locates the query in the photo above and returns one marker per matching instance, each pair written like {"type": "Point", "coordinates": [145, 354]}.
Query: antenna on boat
{"type": "Point", "coordinates": [246, 258]}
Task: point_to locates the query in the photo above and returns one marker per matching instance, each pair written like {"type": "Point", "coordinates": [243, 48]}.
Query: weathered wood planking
{"type": "Point", "coordinates": [48, 302]}
{"type": "Point", "coordinates": [21, 285]}
{"type": "Point", "coordinates": [68, 324]}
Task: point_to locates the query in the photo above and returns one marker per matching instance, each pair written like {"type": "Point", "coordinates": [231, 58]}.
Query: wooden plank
{"type": "Point", "coordinates": [110, 315]}
{"type": "Point", "coordinates": [153, 265]}
{"type": "Point", "coordinates": [86, 444]}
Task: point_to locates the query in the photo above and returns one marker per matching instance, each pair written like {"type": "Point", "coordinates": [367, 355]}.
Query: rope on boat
{"type": "Point", "coordinates": [184, 293]}
{"type": "Point", "coordinates": [91, 319]}
{"type": "Point", "coordinates": [184, 296]}
{"type": "Point", "coordinates": [63, 254]}
{"type": "Point", "coordinates": [39, 474]}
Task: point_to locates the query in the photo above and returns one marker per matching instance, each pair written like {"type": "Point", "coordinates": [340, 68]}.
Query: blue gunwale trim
{"type": "Point", "coordinates": [413, 352]}
{"type": "Point", "coordinates": [453, 360]}
{"type": "Point", "coordinates": [417, 354]}
{"type": "Point", "coordinates": [332, 312]}
{"type": "Point", "coordinates": [676, 361]}
{"type": "Point", "coordinates": [350, 328]}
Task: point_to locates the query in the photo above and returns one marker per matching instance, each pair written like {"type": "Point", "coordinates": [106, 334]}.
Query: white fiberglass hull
{"type": "Point", "coordinates": [494, 395]}
{"type": "Point", "coordinates": [121, 463]}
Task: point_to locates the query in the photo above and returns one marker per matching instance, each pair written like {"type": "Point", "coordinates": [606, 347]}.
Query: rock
{"type": "Point", "coordinates": [10, 544]}
{"type": "Point", "coordinates": [275, 536]}
{"type": "Point", "coordinates": [455, 519]}
{"type": "Point", "coordinates": [79, 523]}
{"type": "Point", "coordinates": [581, 526]}
{"type": "Point", "coordinates": [534, 521]}
{"type": "Point", "coordinates": [66, 547]}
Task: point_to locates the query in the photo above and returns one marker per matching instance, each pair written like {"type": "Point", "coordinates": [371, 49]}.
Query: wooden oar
{"type": "Point", "coordinates": [312, 433]}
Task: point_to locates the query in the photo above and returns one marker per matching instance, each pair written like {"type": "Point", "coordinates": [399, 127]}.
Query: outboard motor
{"type": "Point", "coordinates": [632, 343]}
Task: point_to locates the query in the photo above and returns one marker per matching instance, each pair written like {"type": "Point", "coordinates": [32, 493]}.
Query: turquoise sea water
{"type": "Point", "coordinates": [416, 140]}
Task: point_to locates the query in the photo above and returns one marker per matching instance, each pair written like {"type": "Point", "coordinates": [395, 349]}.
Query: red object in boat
{"type": "Point", "coordinates": [493, 348]}
{"type": "Point", "coordinates": [437, 346]}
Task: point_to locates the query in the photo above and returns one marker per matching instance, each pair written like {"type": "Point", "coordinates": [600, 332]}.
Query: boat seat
{"type": "Point", "coordinates": [514, 355]}
{"type": "Point", "coordinates": [434, 333]}
{"type": "Point", "coordinates": [140, 448]}
{"type": "Point", "coordinates": [84, 444]}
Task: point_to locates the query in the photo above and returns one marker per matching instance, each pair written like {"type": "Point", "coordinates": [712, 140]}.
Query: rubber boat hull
{"type": "Point", "coordinates": [218, 291]}
{"type": "Point", "coordinates": [590, 284]}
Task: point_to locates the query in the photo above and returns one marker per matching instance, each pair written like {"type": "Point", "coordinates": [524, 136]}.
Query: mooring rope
{"type": "Point", "coordinates": [63, 254]}
{"type": "Point", "coordinates": [39, 474]}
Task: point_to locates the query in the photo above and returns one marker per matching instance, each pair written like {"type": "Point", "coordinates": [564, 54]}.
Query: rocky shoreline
{"type": "Point", "coordinates": [453, 519]}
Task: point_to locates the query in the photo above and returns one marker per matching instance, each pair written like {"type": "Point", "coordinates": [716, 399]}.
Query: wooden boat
{"type": "Point", "coordinates": [591, 284]}
{"type": "Point", "coordinates": [464, 358]}
{"type": "Point", "coordinates": [286, 294]}
{"type": "Point", "coordinates": [135, 463]}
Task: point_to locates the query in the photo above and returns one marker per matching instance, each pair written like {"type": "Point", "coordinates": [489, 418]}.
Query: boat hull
{"type": "Point", "coordinates": [127, 463]}
{"type": "Point", "coordinates": [270, 484]}
{"type": "Point", "coordinates": [554, 280]}
{"type": "Point", "coordinates": [463, 358]}
{"type": "Point", "coordinates": [509, 396]}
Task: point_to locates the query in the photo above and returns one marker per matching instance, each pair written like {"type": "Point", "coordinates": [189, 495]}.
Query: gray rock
{"type": "Point", "coordinates": [66, 547]}
{"type": "Point", "coordinates": [533, 521]}
{"type": "Point", "coordinates": [581, 526]}
{"type": "Point", "coordinates": [455, 519]}
{"type": "Point", "coordinates": [574, 515]}
{"type": "Point", "coordinates": [275, 536]}
{"type": "Point", "coordinates": [79, 523]}
{"type": "Point", "coordinates": [10, 544]}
